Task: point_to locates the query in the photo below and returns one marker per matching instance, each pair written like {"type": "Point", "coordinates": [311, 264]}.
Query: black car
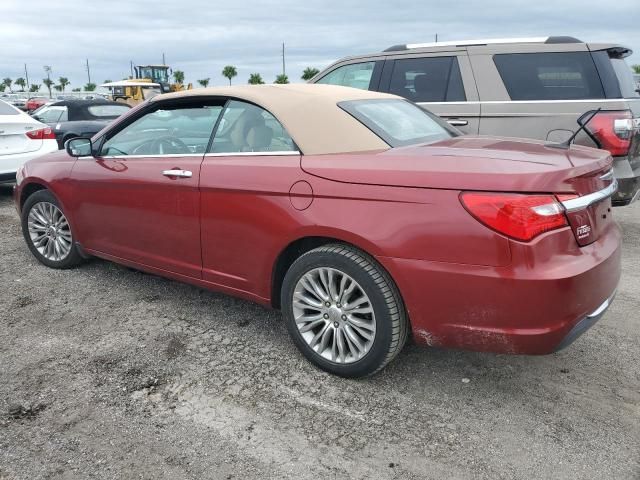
{"type": "Point", "coordinates": [79, 118]}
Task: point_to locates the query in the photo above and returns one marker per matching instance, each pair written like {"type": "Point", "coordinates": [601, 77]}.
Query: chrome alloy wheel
{"type": "Point", "coordinates": [49, 231]}
{"type": "Point", "coordinates": [334, 315]}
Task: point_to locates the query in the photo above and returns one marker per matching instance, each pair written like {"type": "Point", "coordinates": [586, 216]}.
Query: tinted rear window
{"type": "Point", "coordinates": [6, 109]}
{"type": "Point", "coordinates": [549, 76]}
{"type": "Point", "coordinates": [431, 79]}
{"type": "Point", "coordinates": [628, 87]}
{"type": "Point", "coordinates": [111, 111]}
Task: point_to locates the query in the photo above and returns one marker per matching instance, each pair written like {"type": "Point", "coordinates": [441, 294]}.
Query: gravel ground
{"type": "Point", "coordinates": [107, 372]}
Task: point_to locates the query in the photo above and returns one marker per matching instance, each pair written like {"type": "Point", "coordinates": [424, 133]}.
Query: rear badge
{"type": "Point", "coordinates": [583, 231]}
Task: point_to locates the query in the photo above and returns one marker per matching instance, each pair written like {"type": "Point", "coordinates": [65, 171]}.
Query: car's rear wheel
{"type": "Point", "coordinates": [47, 231]}
{"type": "Point", "coordinates": [343, 311]}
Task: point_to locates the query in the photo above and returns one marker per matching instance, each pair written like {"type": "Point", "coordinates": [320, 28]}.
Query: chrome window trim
{"type": "Point", "coordinates": [165, 155]}
{"type": "Point", "coordinates": [585, 201]}
{"type": "Point", "coordinates": [252, 154]}
{"type": "Point", "coordinates": [501, 102]}
{"type": "Point", "coordinates": [220, 154]}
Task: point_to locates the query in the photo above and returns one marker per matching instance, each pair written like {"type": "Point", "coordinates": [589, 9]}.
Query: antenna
{"type": "Point", "coordinates": [567, 143]}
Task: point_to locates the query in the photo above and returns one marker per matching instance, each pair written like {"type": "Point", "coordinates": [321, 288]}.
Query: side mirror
{"type": "Point", "coordinates": [79, 147]}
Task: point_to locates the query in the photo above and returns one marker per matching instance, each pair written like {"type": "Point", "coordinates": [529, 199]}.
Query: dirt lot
{"type": "Point", "coordinates": [110, 373]}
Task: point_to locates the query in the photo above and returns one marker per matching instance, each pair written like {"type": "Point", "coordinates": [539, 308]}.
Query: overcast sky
{"type": "Point", "coordinates": [200, 37]}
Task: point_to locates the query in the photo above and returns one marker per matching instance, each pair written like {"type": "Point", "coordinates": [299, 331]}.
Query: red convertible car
{"type": "Point", "coordinates": [362, 217]}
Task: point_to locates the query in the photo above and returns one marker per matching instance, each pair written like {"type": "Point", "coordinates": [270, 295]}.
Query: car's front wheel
{"type": "Point", "coordinates": [47, 231]}
{"type": "Point", "coordinates": [343, 311]}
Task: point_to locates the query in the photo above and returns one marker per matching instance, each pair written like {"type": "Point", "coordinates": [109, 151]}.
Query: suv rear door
{"type": "Point", "coordinates": [441, 82]}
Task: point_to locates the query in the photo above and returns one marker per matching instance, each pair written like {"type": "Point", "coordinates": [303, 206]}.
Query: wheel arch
{"type": "Point", "coordinates": [29, 189]}
{"type": "Point", "coordinates": [303, 244]}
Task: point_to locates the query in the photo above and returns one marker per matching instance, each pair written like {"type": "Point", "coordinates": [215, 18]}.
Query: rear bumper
{"type": "Point", "coordinates": [538, 304]}
{"type": "Point", "coordinates": [585, 324]}
{"type": "Point", "coordinates": [628, 192]}
{"type": "Point", "coordinates": [9, 164]}
{"type": "Point", "coordinates": [628, 182]}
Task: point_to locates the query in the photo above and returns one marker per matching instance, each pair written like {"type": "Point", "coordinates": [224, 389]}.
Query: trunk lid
{"type": "Point", "coordinates": [484, 164]}
{"type": "Point", "coordinates": [13, 134]}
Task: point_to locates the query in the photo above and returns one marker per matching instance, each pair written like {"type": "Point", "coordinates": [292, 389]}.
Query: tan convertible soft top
{"type": "Point", "coordinates": [309, 112]}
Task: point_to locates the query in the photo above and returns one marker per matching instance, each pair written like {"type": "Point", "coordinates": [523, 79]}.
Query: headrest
{"type": "Point", "coordinates": [259, 138]}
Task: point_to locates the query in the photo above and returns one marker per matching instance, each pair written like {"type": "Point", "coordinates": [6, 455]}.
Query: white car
{"type": "Point", "coordinates": [21, 138]}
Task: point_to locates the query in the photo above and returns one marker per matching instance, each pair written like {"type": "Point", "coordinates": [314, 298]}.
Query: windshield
{"type": "Point", "coordinates": [398, 122]}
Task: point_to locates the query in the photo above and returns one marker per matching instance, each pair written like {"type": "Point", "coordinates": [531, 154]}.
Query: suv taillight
{"type": "Point", "coordinates": [612, 131]}
{"type": "Point", "coordinates": [519, 216]}
{"type": "Point", "coordinates": [41, 134]}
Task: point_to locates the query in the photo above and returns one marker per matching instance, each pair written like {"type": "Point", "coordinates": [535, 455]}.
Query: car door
{"type": "Point", "coordinates": [245, 183]}
{"type": "Point", "coordinates": [138, 199]}
{"type": "Point", "coordinates": [441, 82]}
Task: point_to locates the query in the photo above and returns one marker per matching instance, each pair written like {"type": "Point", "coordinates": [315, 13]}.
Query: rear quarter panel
{"type": "Point", "coordinates": [248, 220]}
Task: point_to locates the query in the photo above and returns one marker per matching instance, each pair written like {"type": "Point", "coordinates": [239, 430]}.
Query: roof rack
{"type": "Point", "coordinates": [488, 41]}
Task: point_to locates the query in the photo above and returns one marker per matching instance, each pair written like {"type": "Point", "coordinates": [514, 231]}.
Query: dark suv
{"type": "Point", "coordinates": [529, 87]}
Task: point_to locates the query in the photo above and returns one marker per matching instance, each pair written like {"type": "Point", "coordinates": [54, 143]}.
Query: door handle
{"type": "Point", "coordinates": [177, 173]}
{"type": "Point", "coordinates": [457, 123]}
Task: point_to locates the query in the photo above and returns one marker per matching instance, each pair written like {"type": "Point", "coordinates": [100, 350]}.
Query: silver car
{"type": "Point", "coordinates": [538, 88]}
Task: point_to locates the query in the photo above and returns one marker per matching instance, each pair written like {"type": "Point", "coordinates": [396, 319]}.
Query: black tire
{"type": "Point", "coordinates": [391, 323]}
{"type": "Point", "coordinates": [73, 257]}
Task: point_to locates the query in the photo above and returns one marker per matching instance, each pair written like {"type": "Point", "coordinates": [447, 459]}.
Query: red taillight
{"type": "Point", "coordinates": [518, 216]}
{"type": "Point", "coordinates": [41, 134]}
{"type": "Point", "coordinates": [613, 131]}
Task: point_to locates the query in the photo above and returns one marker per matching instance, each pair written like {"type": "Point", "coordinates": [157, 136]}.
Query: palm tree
{"type": "Point", "coordinates": [35, 87]}
{"type": "Point", "coordinates": [255, 79]}
{"type": "Point", "coordinates": [282, 78]}
{"type": "Point", "coordinates": [58, 88]}
{"type": "Point", "coordinates": [90, 87]}
{"type": "Point", "coordinates": [636, 68]}
{"type": "Point", "coordinates": [309, 73]}
{"type": "Point", "coordinates": [63, 81]}
{"type": "Point", "coordinates": [47, 82]}
{"type": "Point", "coordinates": [204, 82]}
{"type": "Point", "coordinates": [178, 76]}
{"type": "Point", "coordinates": [229, 71]}
{"type": "Point", "coordinates": [7, 83]}
{"type": "Point", "coordinates": [21, 82]}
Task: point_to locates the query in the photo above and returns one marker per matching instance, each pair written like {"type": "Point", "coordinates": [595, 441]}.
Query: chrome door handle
{"type": "Point", "coordinates": [457, 123]}
{"type": "Point", "coordinates": [177, 173]}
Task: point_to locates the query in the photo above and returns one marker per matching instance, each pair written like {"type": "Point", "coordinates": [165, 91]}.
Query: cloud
{"type": "Point", "coordinates": [202, 36]}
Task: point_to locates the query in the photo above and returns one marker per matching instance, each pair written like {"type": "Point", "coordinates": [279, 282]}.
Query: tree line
{"type": "Point", "coordinates": [228, 72]}
{"type": "Point", "coordinates": [8, 84]}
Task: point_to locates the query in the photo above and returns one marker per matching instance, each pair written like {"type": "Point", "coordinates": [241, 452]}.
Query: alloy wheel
{"type": "Point", "coordinates": [49, 231]}
{"type": "Point", "coordinates": [334, 315]}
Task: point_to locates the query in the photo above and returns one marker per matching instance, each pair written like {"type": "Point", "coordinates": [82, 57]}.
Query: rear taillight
{"type": "Point", "coordinates": [612, 131]}
{"type": "Point", "coordinates": [519, 216]}
{"type": "Point", "coordinates": [41, 134]}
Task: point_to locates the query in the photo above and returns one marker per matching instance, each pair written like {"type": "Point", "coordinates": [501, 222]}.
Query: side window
{"type": "Point", "coordinates": [428, 79]}
{"type": "Point", "coordinates": [549, 76]}
{"type": "Point", "coordinates": [356, 75]}
{"type": "Point", "coordinates": [245, 127]}
{"type": "Point", "coordinates": [107, 110]}
{"type": "Point", "coordinates": [166, 131]}
{"type": "Point", "coordinates": [53, 115]}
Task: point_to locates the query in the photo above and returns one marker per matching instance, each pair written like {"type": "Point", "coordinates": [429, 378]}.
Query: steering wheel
{"type": "Point", "coordinates": [161, 146]}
